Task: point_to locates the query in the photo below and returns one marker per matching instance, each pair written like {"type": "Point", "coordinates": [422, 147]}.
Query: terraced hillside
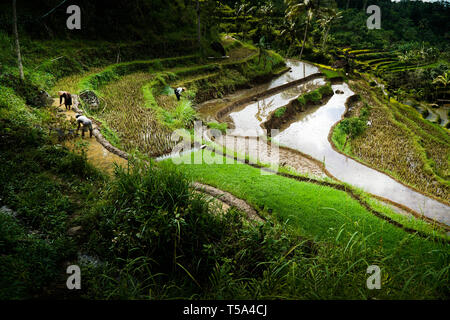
{"type": "Point", "coordinates": [421, 148]}
{"type": "Point", "coordinates": [138, 108]}
{"type": "Point", "coordinates": [378, 61]}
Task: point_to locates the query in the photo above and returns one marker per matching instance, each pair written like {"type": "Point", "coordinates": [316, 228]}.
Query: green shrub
{"type": "Point", "coordinates": [315, 95]}
{"type": "Point", "coordinates": [352, 127]}
{"type": "Point", "coordinates": [279, 112]}
{"type": "Point", "coordinates": [28, 263]}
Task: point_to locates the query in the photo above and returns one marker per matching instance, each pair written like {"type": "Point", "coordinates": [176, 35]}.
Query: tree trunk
{"type": "Point", "coordinates": [304, 39]}
{"type": "Point", "coordinates": [326, 36]}
{"type": "Point", "coordinates": [199, 36]}
{"type": "Point", "coordinates": [16, 35]}
{"type": "Point", "coordinates": [365, 5]}
{"type": "Point", "coordinates": [348, 3]}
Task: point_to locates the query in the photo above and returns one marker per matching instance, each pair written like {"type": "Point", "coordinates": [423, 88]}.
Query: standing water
{"type": "Point", "coordinates": [309, 134]}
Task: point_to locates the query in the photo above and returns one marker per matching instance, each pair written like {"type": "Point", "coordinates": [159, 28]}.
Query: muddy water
{"type": "Point", "coordinates": [309, 134]}
{"type": "Point", "coordinates": [299, 70]}
{"type": "Point", "coordinates": [258, 149]}
{"type": "Point", "coordinates": [433, 113]}
{"type": "Point", "coordinates": [95, 152]}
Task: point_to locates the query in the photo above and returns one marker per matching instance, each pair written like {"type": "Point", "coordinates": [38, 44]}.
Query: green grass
{"type": "Point", "coordinates": [222, 127]}
{"type": "Point", "coordinates": [330, 74]}
{"type": "Point", "coordinates": [312, 209]}
{"type": "Point", "coordinates": [339, 138]}
{"type": "Point", "coordinates": [113, 72]}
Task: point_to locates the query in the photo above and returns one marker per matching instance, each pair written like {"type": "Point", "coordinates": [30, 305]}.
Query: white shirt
{"type": "Point", "coordinates": [85, 121]}
{"type": "Point", "coordinates": [179, 90]}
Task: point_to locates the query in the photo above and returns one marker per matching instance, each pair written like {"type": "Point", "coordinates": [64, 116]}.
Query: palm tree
{"type": "Point", "coordinates": [326, 20]}
{"type": "Point", "coordinates": [265, 13]}
{"type": "Point", "coordinates": [295, 8]}
{"type": "Point", "coordinates": [16, 36]}
{"type": "Point", "coordinates": [289, 33]}
{"type": "Point", "coordinates": [242, 10]}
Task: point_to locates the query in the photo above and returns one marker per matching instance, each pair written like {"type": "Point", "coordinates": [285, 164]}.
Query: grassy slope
{"type": "Point", "coordinates": [322, 213]}
{"type": "Point", "coordinates": [48, 187]}
{"type": "Point", "coordinates": [301, 202]}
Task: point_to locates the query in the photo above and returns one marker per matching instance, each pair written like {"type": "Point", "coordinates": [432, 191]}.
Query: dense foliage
{"type": "Point", "coordinates": [145, 232]}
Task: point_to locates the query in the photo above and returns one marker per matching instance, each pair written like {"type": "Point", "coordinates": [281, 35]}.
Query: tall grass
{"type": "Point", "coordinates": [44, 185]}
{"type": "Point", "coordinates": [134, 125]}
{"type": "Point", "coordinates": [158, 239]}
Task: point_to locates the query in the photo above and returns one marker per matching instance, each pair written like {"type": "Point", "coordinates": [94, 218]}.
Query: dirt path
{"type": "Point", "coordinates": [229, 200]}
{"type": "Point", "coordinates": [95, 151]}
{"type": "Point", "coordinates": [104, 159]}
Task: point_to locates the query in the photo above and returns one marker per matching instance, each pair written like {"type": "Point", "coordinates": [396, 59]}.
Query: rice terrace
{"type": "Point", "coordinates": [224, 150]}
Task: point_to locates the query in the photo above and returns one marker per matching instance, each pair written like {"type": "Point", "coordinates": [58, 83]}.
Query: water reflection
{"type": "Point", "coordinates": [251, 116]}
{"type": "Point", "coordinates": [309, 134]}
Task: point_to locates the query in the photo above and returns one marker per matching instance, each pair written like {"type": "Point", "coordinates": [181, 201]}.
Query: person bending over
{"type": "Point", "coordinates": [67, 99]}
{"type": "Point", "coordinates": [87, 124]}
{"type": "Point", "coordinates": [178, 92]}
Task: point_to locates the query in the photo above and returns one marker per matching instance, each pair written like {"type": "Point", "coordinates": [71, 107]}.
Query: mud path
{"type": "Point", "coordinates": [95, 152]}
{"type": "Point", "coordinates": [104, 156]}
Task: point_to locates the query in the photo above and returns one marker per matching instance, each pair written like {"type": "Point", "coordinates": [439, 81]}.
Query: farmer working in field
{"type": "Point", "coordinates": [87, 124]}
{"type": "Point", "coordinates": [67, 99]}
{"type": "Point", "coordinates": [178, 92]}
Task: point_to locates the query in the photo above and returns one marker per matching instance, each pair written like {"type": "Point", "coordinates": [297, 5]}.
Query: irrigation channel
{"type": "Point", "coordinates": [308, 133]}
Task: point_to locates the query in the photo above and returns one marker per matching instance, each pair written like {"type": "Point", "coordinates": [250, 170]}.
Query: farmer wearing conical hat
{"type": "Point", "coordinates": [67, 99]}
